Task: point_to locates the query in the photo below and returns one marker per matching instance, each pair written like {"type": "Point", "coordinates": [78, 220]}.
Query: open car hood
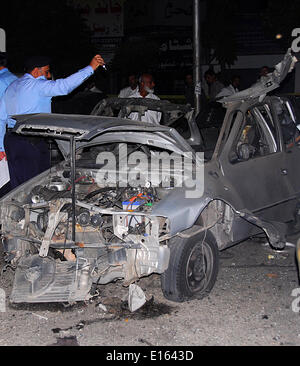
{"type": "Point", "coordinates": [88, 129]}
{"type": "Point", "coordinates": [267, 83]}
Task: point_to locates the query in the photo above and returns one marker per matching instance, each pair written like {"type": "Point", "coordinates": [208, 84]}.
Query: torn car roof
{"type": "Point", "coordinates": [266, 83]}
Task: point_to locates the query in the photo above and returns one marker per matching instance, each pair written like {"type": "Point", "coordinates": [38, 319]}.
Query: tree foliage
{"type": "Point", "coordinates": [53, 28]}
{"type": "Point", "coordinates": [217, 31]}
{"type": "Point", "coordinates": [136, 56]}
{"type": "Point", "coordinates": [281, 17]}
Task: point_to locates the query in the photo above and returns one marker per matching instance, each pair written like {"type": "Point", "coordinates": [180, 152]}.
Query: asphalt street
{"type": "Point", "coordinates": [255, 302]}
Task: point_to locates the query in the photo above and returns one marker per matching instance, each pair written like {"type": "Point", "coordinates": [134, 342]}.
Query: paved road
{"type": "Point", "coordinates": [251, 304]}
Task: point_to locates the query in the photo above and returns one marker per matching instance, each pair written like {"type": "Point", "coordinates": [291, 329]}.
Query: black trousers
{"type": "Point", "coordinates": [26, 157]}
{"type": "Point", "coordinates": [5, 189]}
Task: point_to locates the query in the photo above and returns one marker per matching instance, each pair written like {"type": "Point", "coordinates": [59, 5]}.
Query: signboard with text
{"type": "Point", "coordinates": [103, 17]}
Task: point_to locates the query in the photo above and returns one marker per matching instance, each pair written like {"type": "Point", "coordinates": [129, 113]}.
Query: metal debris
{"type": "Point", "coordinates": [136, 297]}
{"type": "Point", "coordinates": [103, 307]}
{"type": "Point", "coordinates": [39, 316]}
{"type": "Point", "coordinates": [66, 341]}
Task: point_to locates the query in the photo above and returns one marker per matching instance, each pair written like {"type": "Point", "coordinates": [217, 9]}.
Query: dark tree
{"type": "Point", "coordinates": [136, 56]}
{"type": "Point", "coordinates": [281, 17]}
{"type": "Point", "coordinates": [218, 32]}
{"type": "Point", "coordinates": [52, 28]}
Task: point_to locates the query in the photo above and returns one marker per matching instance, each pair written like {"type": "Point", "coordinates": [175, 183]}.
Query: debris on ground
{"type": "Point", "coordinates": [102, 307]}
{"type": "Point", "coordinates": [145, 341]}
{"type": "Point", "coordinates": [136, 297]}
{"type": "Point", "coordinates": [66, 341]}
{"type": "Point", "coordinates": [39, 316]}
{"type": "Point", "coordinates": [112, 305]}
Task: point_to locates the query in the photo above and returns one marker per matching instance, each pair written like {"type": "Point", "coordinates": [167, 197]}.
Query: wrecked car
{"type": "Point", "coordinates": [178, 116]}
{"type": "Point", "coordinates": [106, 214]}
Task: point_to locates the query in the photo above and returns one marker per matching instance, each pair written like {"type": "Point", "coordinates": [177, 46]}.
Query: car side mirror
{"type": "Point", "coordinates": [244, 152]}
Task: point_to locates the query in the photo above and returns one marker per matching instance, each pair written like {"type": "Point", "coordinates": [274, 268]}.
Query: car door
{"type": "Point", "coordinates": [254, 163]}
{"type": "Point", "coordinates": [287, 122]}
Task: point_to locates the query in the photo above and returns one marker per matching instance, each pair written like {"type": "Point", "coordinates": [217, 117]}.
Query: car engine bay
{"type": "Point", "coordinates": [59, 254]}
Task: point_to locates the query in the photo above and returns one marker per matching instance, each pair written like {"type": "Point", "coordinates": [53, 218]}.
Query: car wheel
{"type": "Point", "coordinates": [193, 267]}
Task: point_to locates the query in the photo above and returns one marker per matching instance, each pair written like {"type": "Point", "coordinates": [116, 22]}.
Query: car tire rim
{"type": "Point", "coordinates": [199, 268]}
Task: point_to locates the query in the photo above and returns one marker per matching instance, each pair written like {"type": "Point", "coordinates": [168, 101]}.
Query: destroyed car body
{"type": "Point", "coordinates": [178, 116]}
{"type": "Point", "coordinates": [72, 227]}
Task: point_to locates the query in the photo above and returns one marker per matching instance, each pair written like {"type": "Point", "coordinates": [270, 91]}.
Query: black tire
{"type": "Point", "coordinates": [185, 277]}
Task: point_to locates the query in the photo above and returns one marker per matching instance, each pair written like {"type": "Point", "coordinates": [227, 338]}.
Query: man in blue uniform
{"type": "Point", "coordinates": [6, 77]}
{"type": "Point", "coordinates": [32, 93]}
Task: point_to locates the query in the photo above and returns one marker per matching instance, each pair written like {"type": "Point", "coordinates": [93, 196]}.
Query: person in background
{"type": "Point", "coordinates": [92, 86]}
{"type": "Point", "coordinates": [189, 91]}
{"type": "Point", "coordinates": [264, 71]}
{"type": "Point", "coordinates": [6, 77]}
{"type": "Point", "coordinates": [32, 93]}
{"type": "Point", "coordinates": [232, 88]}
{"type": "Point", "coordinates": [213, 85]}
{"type": "Point", "coordinates": [146, 90]}
{"type": "Point", "coordinates": [132, 88]}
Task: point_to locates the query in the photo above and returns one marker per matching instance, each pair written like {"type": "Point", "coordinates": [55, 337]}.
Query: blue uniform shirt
{"type": "Point", "coordinates": [33, 95]}
{"type": "Point", "coordinates": [6, 78]}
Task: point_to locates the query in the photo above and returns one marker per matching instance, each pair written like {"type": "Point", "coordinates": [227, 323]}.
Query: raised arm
{"type": "Point", "coordinates": [51, 88]}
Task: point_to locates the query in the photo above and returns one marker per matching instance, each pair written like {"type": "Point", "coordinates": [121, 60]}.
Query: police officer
{"type": "Point", "coordinates": [32, 93]}
{"type": "Point", "coordinates": [6, 77]}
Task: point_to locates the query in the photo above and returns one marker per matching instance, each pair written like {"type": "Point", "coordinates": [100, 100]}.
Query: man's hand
{"type": "Point", "coordinates": [96, 62]}
{"type": "Point", "coordinates": [2, 155]}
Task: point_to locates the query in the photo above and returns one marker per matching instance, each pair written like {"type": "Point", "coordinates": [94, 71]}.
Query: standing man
{"type": "Point", "coordinates": [232, 88]}
{"type": "Point", "coordinates": [213, 85]}
{"type": "Point", "coordinates": [189, 89]}
{"type": "Point", "coordinates": [132, 88]}
{"type": "Point", "coordinates": [264, 71]}
{"type": "Point", "coordinates": [32, 93]}
{"type": "Point", "coordinates": [146, 90]}
{"type": "Point", "coordinates": [6, 77]}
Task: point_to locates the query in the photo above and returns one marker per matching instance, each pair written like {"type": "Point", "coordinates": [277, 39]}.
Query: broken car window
{"type": "Point", "coordinates": [257, 136]}
{"type": "Point", "coordinates": [289, 130]}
